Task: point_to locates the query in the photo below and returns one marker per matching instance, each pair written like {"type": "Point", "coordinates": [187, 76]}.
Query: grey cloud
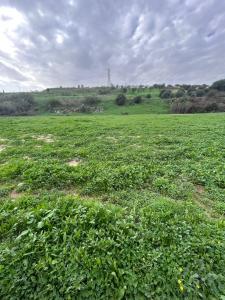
{"type": "Point", "coordinates": [10, 72]}
{"type": "Point", "coordinates": [73, 42]}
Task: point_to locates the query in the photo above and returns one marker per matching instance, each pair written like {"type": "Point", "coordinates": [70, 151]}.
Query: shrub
{"type": "Point", "coordinates": [212, 93]}
{"type": "Point", "coordinates": [91, 101]}
{"type": "Point", "coordinates": [137, 100]}
{"type": "Point", "coordinates": [191, 93]}
{"type": "Point", "coordinates": [149, 96]}
{"type": "Point", "coordinates": [121, 99]}
{"type": "Point", "coordinates": [200, 93]}
{"type": "Point", "coordinates": [180, 93]}
{"type": "Point", "coordinates": [53, 104]}
{"type": "Point", "coordinates": [165, 94]}
{"type": "Point", "coordinates": [211, 107]}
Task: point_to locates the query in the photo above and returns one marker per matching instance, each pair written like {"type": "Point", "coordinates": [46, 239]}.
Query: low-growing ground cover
{"type": "Point", "coordinates": [114, 207]}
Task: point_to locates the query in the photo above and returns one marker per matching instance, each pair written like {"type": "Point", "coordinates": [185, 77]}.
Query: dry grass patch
{"type": "Point", "coordinates": [74, 163]}
{"type": "Point", "coordinates": [15, 195]}
{"type": "Point", "coordinates": [44, 138]}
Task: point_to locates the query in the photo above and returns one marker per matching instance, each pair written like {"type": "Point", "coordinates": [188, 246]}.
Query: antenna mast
{"type": "Point", "coordinates": [109, 77]}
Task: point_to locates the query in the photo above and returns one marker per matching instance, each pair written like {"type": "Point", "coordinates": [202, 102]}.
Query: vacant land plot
{"type": "Point", "coordinates": [117, 207]}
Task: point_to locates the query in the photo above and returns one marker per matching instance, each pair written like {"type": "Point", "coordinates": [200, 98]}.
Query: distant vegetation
{"type": "Point", "coordinates": [17, 104]}
{"type": "Point", "coordinates": [199, 99]}
{"type": "Point", "coordinates": [159, 98]}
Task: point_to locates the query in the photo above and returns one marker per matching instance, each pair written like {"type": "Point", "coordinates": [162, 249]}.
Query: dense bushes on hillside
{"type": "Point", "coordinates": [201, 99]}
{"type": "Point", "coordinates": [16, 104]}
{"type": "Point", "coordinates": [198, 105]}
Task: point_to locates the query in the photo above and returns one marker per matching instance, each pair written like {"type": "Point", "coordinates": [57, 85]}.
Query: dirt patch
{"type": "Point", "coordinates": [15, 195]}
{"type": "Point", "coordinates": [200, 189]}
{"type": "Point", "coordinates": [44, 138]}
{"type": "Point", "coordinates": [74, 163]}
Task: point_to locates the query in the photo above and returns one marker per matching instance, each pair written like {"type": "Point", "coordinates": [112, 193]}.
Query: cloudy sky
{"type": "Point", "coordinates": [46, 43]}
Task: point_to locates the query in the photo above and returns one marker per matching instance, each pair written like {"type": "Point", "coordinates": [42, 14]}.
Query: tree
{"type": "Point", "coordinates": [219, 85]}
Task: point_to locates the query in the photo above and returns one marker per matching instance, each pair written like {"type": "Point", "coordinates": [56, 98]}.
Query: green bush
{"type": "Point", "coordinates": [121, 99]}
{"type": "Point", "coordinates": [137, 100]}
{"type": "Point", "coordinates": [165, 94]}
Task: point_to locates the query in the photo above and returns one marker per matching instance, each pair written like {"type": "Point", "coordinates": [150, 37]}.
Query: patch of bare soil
{"type": "Point", "coordinates": [74, 163]}
{"type": "Point", "coordinates": [200, 189]}
{"type": "Point", "coordinates": [44, 138]}
{"type": "Point", "coordinates": [15, 195]}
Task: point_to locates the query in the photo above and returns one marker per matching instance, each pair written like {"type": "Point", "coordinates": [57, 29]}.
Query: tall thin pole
{"type": "Point", "coordinates": [109, 77]}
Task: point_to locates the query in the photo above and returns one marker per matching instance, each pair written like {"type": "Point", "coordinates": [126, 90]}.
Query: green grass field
{"type": "Point", "coordinates": [112, 206]}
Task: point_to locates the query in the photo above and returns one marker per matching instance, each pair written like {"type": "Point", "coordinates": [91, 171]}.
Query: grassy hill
{"type": "Point", "coordinates": [107, 104]}
{"type": "Point", "coordinates": [112, 207]}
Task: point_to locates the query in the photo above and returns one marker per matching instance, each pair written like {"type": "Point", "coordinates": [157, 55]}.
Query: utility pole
{"type": "Point", "coordinates": [108, 77]}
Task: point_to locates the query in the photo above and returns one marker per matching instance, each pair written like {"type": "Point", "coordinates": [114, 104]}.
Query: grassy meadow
{"type": "Point", "coordinates": [112, 206]}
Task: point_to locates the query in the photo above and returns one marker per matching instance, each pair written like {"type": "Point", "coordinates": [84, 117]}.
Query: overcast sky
{"type": "Point", "coordinates": [46, 43]}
